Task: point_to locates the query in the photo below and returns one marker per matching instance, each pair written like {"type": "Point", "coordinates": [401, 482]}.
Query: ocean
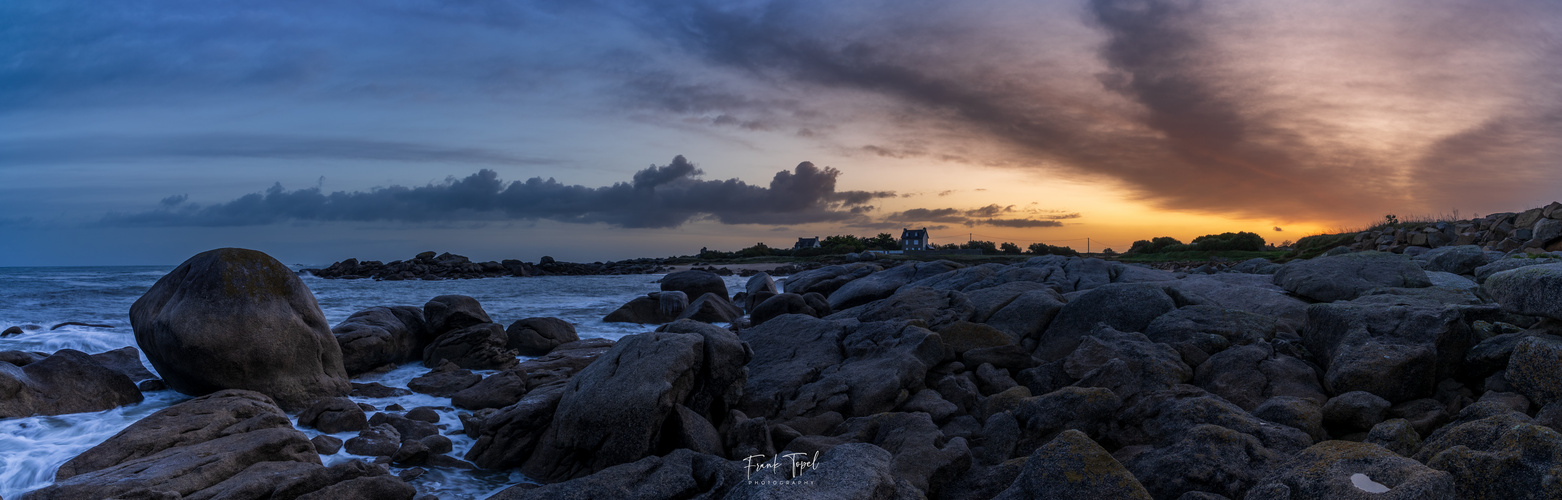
{"type": "Point", "coordinates": [35, 447]}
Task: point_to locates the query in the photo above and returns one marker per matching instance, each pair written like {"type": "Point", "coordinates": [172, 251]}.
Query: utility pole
{"type": "Point", "coordinates": [1087, 245]}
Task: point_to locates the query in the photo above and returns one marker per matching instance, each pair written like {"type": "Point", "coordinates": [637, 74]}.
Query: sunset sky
{"type": "Point", "coordinates": [140, 132]}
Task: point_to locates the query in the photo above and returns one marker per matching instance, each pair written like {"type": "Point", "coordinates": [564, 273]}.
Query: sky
{"type": "Point", "coordinates": [141, 132]}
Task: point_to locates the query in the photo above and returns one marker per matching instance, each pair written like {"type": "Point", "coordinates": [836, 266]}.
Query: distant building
{"type": "Point", "coordinates": [806, 243]}
{"type": "Point", "coordinates": [914, 239]}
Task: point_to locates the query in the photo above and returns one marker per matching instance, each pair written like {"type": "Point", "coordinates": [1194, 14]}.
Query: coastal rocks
{"type": "Point", "coordinates": [1345, 277]}
{"type": "Point", "coordinates": [237, 319]}
{"type": "Point", "coordinates": [885, 283]}
{"type": "Point", "coordinates": [481, 346]}
{"type": "Point", "coordinates": [1533, 369]}
{"type": "Point", "coordinates": [1073, 466]}
{"type": "Point", "coordinates": [1355, 411]}
{"type": "Point", "coordinates": [654, 308]}
{"type": "Point", "coordinates": [1396, 347]}
{"type": "Point", "coordinates": [711, 308]}
{"type": "Point", "coordinates": [857, 471]}
{"type": "Point", "coordinates": [805, 369]}
{"type": "Point", "coordinates": [379, 336]}
{"type": "Point", "coordinates": [1342, 469]}
{"type": "Point", "coordinates": [1496, 454]}
{"type": "Point", "coordinates": [229, 444]}
{"type": "Point", "coordinates": [538, 336]}
{"type": "Point", "coordinates": [448, 313]}
{"type": "Point", "coordinates": [507, 387]}
{"type": "Point", "coordinates": [1121, 306]}
{"type": "Point", "coordinates": [680, 474]}
{"type": "Point", "coordinates": [758, 288]}
{"type": "Point", "coordinates": [69, 381]}
{"type": "Point", "coordinates": [1028, 314]}
{"type": "Point", "coordinates": [1208, 458]}
{"type": "Point", "coordinates": [1249, 375]}
{"type": "Point", "coordinates": [1463, 259]}
{"type": "Point", "coordinates": [1500, 265]}
{"type": "Point", "coordinates": [695, 283]}
{"type": "Point", "coordinates": [615, 410]}
{"type": "Point", "coordinates": [828, 279]}
{"type": "Point", "coordinates": [812, 304]}
{"type": "Point", "coordinates": [935, 308]}
{"type": "Point", "coordinates": [1126, 363]}
{"type": "Point", "coordinates": [444, 381]}
{"type": "Point", "coordinates": [334, 415]}
{"type": "Point", "coordinates": [1530, 290]}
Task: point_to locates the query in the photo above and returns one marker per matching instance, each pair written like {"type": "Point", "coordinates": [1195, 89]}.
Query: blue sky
{"type": "Point", "coordinates": [134, 132]}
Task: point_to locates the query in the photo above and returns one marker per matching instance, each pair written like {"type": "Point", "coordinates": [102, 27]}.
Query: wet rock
{"type": "Point", "coordinates": [483, 346]}
{"type": "Point", "coordinates": [1073, 466]}
{"type": "Point", "coordinates": [248, 320]}
{"type": "Point", "coordinates": [448, 313]}
{"type": "Point", "coordinates": [614, 410]}
{"type": "Point", "coordinates": [380, 440]}
{"type": "Point", "coordinates": [655, 308]}
{"type": "Point", "coordinates": [759, 287]}
{"type": "Point", "coordinates": [711, 308]}
{"type": "Point", "coordinates": [378, 336]}
{"type": "Point", "coordinates": [1123, 307]}
{"type": "Point", "coordinates": [126, 360]}
{"type": "Point", "coordinates": [424, 414]}
{"type": "Point", "coordinates": [507, 387]}
{"type": "Point", "coordinates": [1342, 469]}
{"type": "Point", "coordinates": [444, 381]}
{"type": "Point", "coordinates": [694, 283]}
{"type": "Point", "coordinates": [365, 488]}
{"type": "Point", "coordinates": [195, 449]}
{"type": "Point", "coordinates": [538, 336]}
{"type": "Point", "coordinates": [68, 381]}
{"type": "Point", "coordinates": [408, 429]}
{"type": "Point", "coordinates": [334, 415]}
{"type": "Point", "coordinates": [12, 330]}
{"type": "Point", "coordinates": [1345, 277]}
{"type": "Point", "coordinates": [507, 437]}
{"type": "Point", "coordinates": [378, 390]}
{"type": "Point", "coordinates": [326, 445]}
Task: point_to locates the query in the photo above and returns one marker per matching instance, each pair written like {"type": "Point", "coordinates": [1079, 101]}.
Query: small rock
{"type": "Point", "coordinates": [326, 445]}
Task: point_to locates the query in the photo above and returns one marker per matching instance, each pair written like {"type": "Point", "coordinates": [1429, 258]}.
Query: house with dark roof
{"type": "Point", "coordinates": [914, 239]}
{"type": "Point", "coordinates": [806, 243]}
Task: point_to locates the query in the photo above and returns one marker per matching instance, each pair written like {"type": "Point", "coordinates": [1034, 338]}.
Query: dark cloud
{"type": "Point", "coordinates": [1199, 106]}
{"type": "Point", "coordinates": [930, 215]}
{"type": "Point", "coordinates": [992, 210]}
{"type": "Point", "coordinates": [281, 147]}
{"type": "Point", "coordinates": [1277, 229]}
{"type": "Point", "coordinates": [983, 216]}
{"type": "Point", "coordinates": [1017, 223]}
{"type": "Point", "coordinates": [658, 197]}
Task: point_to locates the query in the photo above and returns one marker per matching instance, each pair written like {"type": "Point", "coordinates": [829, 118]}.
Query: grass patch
{"type": "Point", "coordinates": [1313, 246]}
{"type": "Point", "coordinates": [1230, 255]}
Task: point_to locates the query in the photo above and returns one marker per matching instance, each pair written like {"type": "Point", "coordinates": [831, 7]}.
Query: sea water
{"type": "Point", "coordinates": [32, 449]}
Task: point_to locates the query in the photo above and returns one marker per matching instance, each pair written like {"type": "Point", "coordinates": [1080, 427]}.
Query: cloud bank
{"type": "Point", "coordinates": [664, 196]}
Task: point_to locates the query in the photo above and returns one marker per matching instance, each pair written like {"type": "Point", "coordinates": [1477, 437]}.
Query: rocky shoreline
{"type": "Point", "coordinates": [1423, 374]}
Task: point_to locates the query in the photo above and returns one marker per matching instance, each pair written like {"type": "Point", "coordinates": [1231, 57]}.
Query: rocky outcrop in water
{"type": "Point", "coordinates": [68, 381]}
{"type": "Point", "coordinates": [428, 266]}
{"type": "Point", "coordinates": [237, 319]}
{"type": "Point", "coordinates": [228, 444]}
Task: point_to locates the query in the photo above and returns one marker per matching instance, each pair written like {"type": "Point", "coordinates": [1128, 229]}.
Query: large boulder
{"type": "Point", "coordinates": [1073, 466]}
{"type": "Point", "coordinates": [1208, 458]}
{"type": "Point", "coordinates": [783, 303]}
{"type": "Point", "coordinates": [229, 444]}
{"type": "Point", "coordinates": [1347, 470]}
{"type": "Point", "coordinates": [1127, 307]}
{"type": "Point", "coordinates": [1494, 452]}
{"type": "Point", "coordinates": [758, 288]}
{"type": "Point", "coordinates": [1160, 418]}
{"type": "Point", "coordinates": [448, 313]}
{"type": "Point", "coordinates": [1496, 266]}
{"type": "Point", "coordinates": [1394, 346]}
{"type": "Point", "coordinates": [1126, 363]}
{"type": "Point", "coordinates": [654, 308]}
{"type": "Point", "coordinates": [805, 367]}
{"type": "Point", "coordinates": [616, 410]}
{"type": "Point", "coordinates": [1463, 259]}
{"type": "Point", "coordinates": [237, 319]}
{"type": "Point", "coordinates": [695, 283]}
{"type": "Point", "coordinates": [1028, 314]}
{"type": "Point", "coordinates": [1533, 369]}
{"type": "Point", "coordinates": [378, 336]}
{"type": "Point", "coordinates": [482, 346]}
{"type": "Point", "coordinates": [826, 280]}
{"type": "Point", "coordinates": [69, 381]}
{"type": "Point", "coordinates": [1347, 276]}
{"type": "Point", "coordinates": [1530, 290]}
{"type": "Point", "coordinates": [1249, 375]}
{"type": "Point", "coordinates": [507, 387]}
{"type": "Point", "coordinates": [885, 283]}
{"type": "Point", "coordinates": [1252, 293]}
{"type": "Point", "coordinates": [538, 336]}
{"type": "Point", "coordinates": [711, 308]}
{"type": "Point", "coordinates": [936, 308]}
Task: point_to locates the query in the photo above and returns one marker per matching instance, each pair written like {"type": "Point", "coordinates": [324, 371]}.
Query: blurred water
{"type": "Point", "coordinates": [34, 448]}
